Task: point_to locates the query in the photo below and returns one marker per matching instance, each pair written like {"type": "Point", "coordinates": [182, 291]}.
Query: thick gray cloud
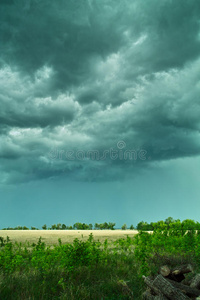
{"type": "Point", "coordinates": [84, 75]}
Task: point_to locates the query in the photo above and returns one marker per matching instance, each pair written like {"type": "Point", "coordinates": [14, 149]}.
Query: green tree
{"type": "Point", "coordinates": [63, 227]}
{"type": "Point", "coordinates": [101, 226]}
{"type": "Point", "coordinates": [189, 224]}
{"type": "Point", "coordinates": [53, 226]}
{"type": "Point", "coordinates": [152, 224]}
{"type": "Point", "coordinates": [80, 226]}
{"type": "Point", "coordinates": [160, 225]}
{"type": "Point", "coordinates": [85, 226]}
{"type": "Point", "coordinates": [124, 227]}
{"type": "Point", "coordinates": [140, 225]}
{"type": "Point", "coordinates": [105, 225]}
{"type": "Point", "coordinates": [25, 228]}
{"type": "Point", "coordinates": [111, 225]}
{"type": "Point", "coordinates": [58, 226]}
{"type": "Point", "coordinates": [145, 226]}
{"type": "Point", "coordinates": [131, 227]}
{"type": "Point", "coordinates": [169, 220]}
{"type": "Point", "coordinates": [44, 227]}
{"type": "Point", "coordinates": [96, 226]}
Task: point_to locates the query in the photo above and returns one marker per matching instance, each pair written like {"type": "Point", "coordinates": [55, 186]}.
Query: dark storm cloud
{"type": "Point", "coordinates": [67, 35]}
{"type": "Point", "coordinates": [64, 35]}
{"type": "Point", "coordinates": [84, 75]}
{"type": "Point", "coordinates": [41, 116]}
{"type": "Point", "coordinates": [21, 108]}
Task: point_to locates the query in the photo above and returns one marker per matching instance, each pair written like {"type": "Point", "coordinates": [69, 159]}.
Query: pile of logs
{"type": "Point", "coordinates": [168, 285]}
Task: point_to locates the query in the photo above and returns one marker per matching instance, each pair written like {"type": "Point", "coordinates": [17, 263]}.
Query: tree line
{"type": "Point", "coordinates": [76, 226]}
{"type": "Point", "coordinates": [187, 224]}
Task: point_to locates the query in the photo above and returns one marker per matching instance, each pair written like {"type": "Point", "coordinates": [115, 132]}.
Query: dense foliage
{"type": "Point", "coordinates": [145, 226]}
{"type": "Point", "coordinates": [167, 224]}
{"type": "Point", "coordinates": [94, 270]}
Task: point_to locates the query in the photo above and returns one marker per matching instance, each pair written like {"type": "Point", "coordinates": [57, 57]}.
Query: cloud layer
{"type": "Point", "coordinates": [85, 75]}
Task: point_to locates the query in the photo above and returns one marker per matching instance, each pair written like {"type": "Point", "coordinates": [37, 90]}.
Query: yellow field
{"type": "Point", "coordinates": [51, 237]}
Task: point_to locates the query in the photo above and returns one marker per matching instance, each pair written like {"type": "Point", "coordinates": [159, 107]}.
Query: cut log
{"type": "Point", "coordinates": [189, 291]}
{"type": "Point", "coordinates": [149, 283]}
{"type": "Point", "coordinates": [165, 271]}
{"type": "Point", "coordinates": [154, 290]}
{"type": "Point", "coordinates": [195, 283]}
{"type": "Point", "coordinates": [148, 296]}
{"type": "Point", "coordinates": [167, 289]}
{"type": "Point", "coordinates": [182, 269]}
{"type": "Point", "coordinates": [177, 273]}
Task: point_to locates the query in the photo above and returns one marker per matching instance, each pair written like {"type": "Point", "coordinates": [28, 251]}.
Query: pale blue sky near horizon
{"type": "Point", "coordinates": [170, 190]}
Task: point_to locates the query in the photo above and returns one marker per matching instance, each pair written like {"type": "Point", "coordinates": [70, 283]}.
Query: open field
{"type": "Point", "coordinates": [51, 237]}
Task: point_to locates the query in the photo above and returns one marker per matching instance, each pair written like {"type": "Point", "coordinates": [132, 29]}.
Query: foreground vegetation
{"type": "Point", "coordinates": [93, 270]}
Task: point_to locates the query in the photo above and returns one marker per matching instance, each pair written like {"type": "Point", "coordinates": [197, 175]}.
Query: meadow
{"type": "Point", "coordinates": [50, 237]}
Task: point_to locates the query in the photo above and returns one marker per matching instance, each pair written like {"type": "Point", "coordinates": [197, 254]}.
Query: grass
{"type": "Point", "coordinates": [50, 237]}
{"type": "Point", "coordinates": [81, 270]}
{"type": "Point", "coordinates": [89, 269]}
{"type": "Point", "coordinates": [86, 283]}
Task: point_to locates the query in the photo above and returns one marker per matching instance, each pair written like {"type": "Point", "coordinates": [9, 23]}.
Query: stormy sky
{"type": "Point", "coordinates": [99, 111]}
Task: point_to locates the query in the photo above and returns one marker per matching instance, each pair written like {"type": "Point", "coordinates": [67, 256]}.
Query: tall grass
{"type": "Point", "coordinates": [82, 270]}
{"type": "Point", "coordinates": [90, 269]}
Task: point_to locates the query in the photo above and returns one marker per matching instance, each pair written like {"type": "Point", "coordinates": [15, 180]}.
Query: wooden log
{"type": "Point", "coordinates": [189, 291]}
{"type": "Point", "coordinates": [177, 273]}
{"type": "Point", "coordinates": [195, 283]}
{"type": "Point", "coordinates": [147, 296]}
{"type": "Point", "coordinates": [165, 271]}
{"type": "Point", "coordinates": [156, 291]}
{"type": "Point", "coordinates": [182, 269]}
{"type": "Point", "coordinates": [149, 283]}
{"type": "Point", "coordinates": [168, 290]}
